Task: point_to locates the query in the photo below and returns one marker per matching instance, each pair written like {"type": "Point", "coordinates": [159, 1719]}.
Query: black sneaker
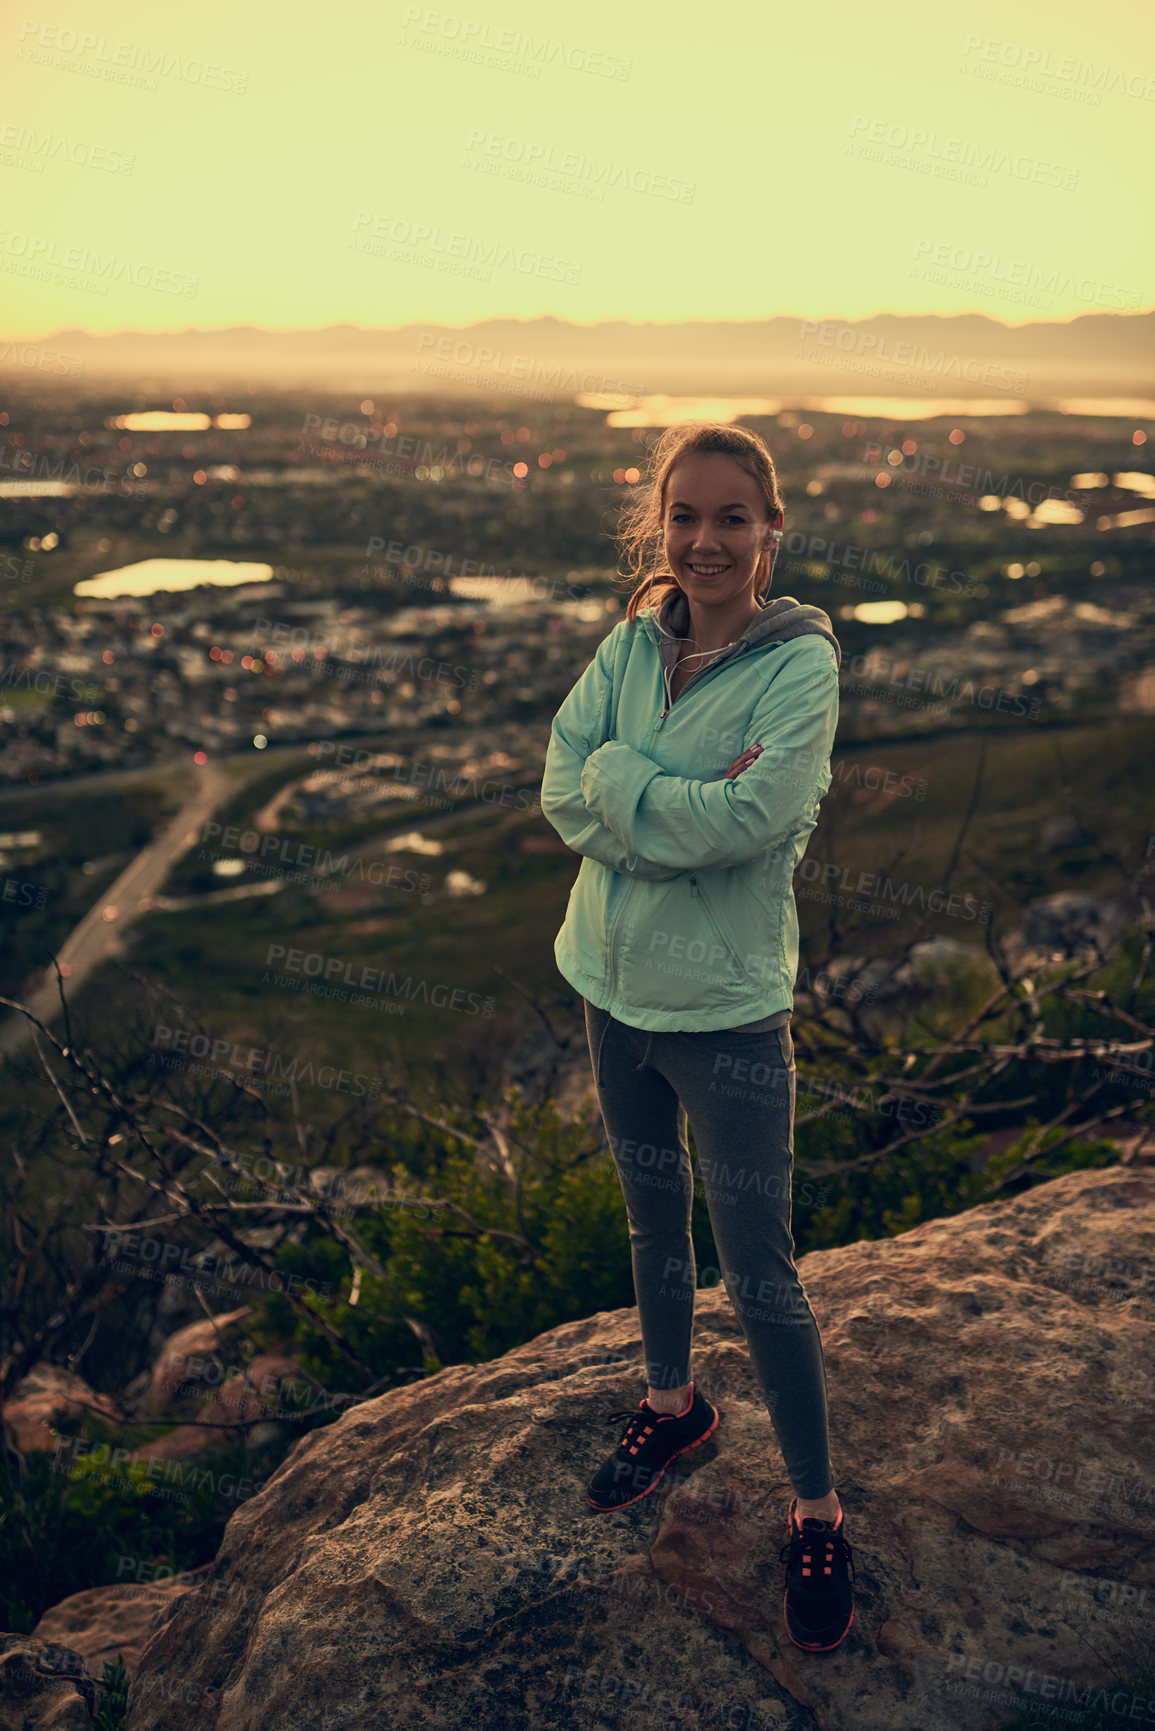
{"type": "Point", "coordinates": [818, 1604]}
{"type": "Point", "coordinates": [650, 1441]}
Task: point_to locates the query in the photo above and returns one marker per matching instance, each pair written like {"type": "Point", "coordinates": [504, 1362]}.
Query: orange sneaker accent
{"type": "Point", "coordinates": [605, 1508]}
{"type": "Point", "coordinates": [803, 1546]}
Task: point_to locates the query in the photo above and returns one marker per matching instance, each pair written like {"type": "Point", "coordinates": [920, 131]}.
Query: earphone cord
{"type": "Point", "coordinates": [693, 656]}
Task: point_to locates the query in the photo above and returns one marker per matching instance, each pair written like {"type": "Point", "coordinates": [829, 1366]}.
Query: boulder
{"type": "Point", "coordinates": [185, 1356]}
{"type": "Point", "coordinates": [178, 1301]}
{"type": "Point", "coordinates": [268, 1384]}
{"type": "Point", "coordinates": [104, 1621]}
{"type": "Point", "coordinates": [231, 1406]}
{"type": "Point", "coordinates": [351, 1187]}
{"type": "Point", "coordinates": [43, 1687]}
{"type": "Point", "coordinates": [1064, 832]}
{"type": "Point", "coordinates": [1072, 923]}
{"type": "Point", "coordinates": [40, 1400]}
{"type": "Point", "coordinates": [430, 1559]}
{"type": "Point", "coordinates": [534, 1060]}
{"type": "Point", "coordinates": [942, 963]}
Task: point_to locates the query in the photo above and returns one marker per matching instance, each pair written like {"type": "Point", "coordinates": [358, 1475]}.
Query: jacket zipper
{"type": "Point", "coordinates": [653, 734]}
{"type": "Point", "coordinates": [702, 673]}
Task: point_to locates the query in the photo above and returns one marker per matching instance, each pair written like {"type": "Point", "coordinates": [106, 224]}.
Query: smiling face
{"type": "Point", "coordinates": [715, 527]}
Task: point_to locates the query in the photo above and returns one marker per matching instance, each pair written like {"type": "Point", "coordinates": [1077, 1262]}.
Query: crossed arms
{"type": "Point", "coordinates": [614, 804]}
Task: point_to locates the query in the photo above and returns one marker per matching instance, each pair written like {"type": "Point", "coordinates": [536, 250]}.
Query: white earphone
{"type": "Point", "coordinates": [775, 536]}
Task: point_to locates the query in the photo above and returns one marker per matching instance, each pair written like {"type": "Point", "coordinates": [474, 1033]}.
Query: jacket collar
{"type": "Point", "coordinates": [778, 621]}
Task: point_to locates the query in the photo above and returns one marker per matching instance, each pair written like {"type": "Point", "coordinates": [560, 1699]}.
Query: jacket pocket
{"type": "Point", "coordinates": [724, 937]}
{"type": "Point", "coordinates": [669, 957]}
{"type": "Point", "coordinates": [750, 930]}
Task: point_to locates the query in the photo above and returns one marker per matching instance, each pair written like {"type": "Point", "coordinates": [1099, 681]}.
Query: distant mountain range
{"type": "Point", "coordinates": [968, 355]}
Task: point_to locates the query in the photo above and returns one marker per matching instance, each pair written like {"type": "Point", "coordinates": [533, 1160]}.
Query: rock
{"type": "Point", "coordinates": [1066, 925]}
{"type": "Point", "coordinates": [104, 1621]}
{"type": "Point", "coordinates": [848, 982]}
{"type": "Point", "coordinates": [191, 1378]}
{"type": "Point", "coordinates": [177, 1303]}
{"type": "Point", "coordinates": [233, 1407]}
{"type": "Point", "coordinates": [1072, 922]}
{"type": "Point", "coordinates": [942, 962]}
{"type": "Point", "coordinates": [185, 1443]}
{"type": "Point", "coordinates": [351, 1187]}
{"type": "Point", "coordinates": [430, 1559]}
{"type": "Point", "coordinates": [268, 1384]}
{"type": "Point", "coordinates": [573, 1092]}
{"type": "Point", "coordinates": [187, 1354]}
{"type": "Point", "coordinates": [43, 1687]}
{"type": "Point", "coordinates": [459, 883]}
{"type": "Point", "coordinates": [40, 1400]}
{"type": "Point", "coordinates": [1063, 832]}
{"type": "Point", "coordinates": [533, 1061]}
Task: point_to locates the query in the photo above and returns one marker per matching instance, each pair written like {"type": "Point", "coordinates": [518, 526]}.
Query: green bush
{"type": "Point", "coordinates": [518, 1258]}
{"type": "Point", "coordinates": [567, 1255]}
{"type": "Point", "coordinates": [112, 1696]}
{"type": "Point", "coordinates": [66, 1524]}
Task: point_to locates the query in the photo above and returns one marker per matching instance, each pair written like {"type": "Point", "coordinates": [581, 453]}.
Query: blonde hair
{"type": "Point", "coordinates": [639, 532]}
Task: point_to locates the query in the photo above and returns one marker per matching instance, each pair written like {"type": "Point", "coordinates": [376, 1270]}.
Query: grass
{"type": "Point", "coordinates": [69, 1527]}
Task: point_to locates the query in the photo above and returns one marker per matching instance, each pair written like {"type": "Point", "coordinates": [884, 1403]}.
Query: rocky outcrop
{"type": "Point", "coordinates": [430, 1559]}
{"type": "Point", "coordinates": [40, 1400]}
{"type": "Point", "coordinates": [104, 1622]}
{"type": "Point", "coordinates": [191, 1379]}
{"type": "Point", "coordinates": [51, 1680]}
{"type": "Point", "coordinates": [43, 1687]}
{"type": "Point", "coordinates": [248, 1405]}
{"type": "Point", "coordinates": [185, 1356]}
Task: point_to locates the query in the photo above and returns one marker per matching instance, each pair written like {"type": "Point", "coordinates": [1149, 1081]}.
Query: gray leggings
{"type": "Point", "coordinates": [737, 1092]}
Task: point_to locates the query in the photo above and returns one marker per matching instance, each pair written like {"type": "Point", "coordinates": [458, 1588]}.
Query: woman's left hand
{"type": "Point", "coordinates": [741, 763]}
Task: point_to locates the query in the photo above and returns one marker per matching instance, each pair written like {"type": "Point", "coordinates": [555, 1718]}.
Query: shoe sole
{"type": "Point", "coordinates": [610, 1508]}
{"type": "Point", "coordinates": [814, 1647]}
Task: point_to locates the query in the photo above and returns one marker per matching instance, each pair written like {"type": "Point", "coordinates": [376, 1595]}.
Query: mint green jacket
{"type": "Point", "coordinates": [682, 917]}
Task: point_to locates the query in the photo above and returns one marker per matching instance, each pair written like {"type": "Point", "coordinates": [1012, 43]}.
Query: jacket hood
{"type": "Point", "coordinates": [778, 621]}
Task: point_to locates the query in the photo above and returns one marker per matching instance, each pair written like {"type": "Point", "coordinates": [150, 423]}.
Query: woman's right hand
{"type": "Point", "coordinates": [741, 763]}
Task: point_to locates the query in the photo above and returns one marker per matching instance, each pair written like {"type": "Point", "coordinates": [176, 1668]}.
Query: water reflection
{"type": "Point", "coordinates": [878, 612]}
{"type": "Point", "coordinates": [177, 421]}
{"type": "Point", "coordinates": [148, 576]}
{"type": "Point", "coordinates": [666, 411]}
{"type": "Point", "coordinates": [37, 489]}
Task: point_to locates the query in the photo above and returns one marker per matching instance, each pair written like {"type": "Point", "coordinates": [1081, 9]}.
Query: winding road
{"type": "Point", "coordinates": [97, 937]}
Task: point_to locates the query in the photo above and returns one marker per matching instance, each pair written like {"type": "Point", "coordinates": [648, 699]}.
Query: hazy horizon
{"type": "Point", "coordinates": [932, 357]}
{"type": "Point", "coordinates": [554, 318]}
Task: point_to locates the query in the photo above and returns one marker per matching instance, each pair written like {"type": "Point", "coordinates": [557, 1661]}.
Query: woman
{"type": "Point", "coordinates": [686, 765]}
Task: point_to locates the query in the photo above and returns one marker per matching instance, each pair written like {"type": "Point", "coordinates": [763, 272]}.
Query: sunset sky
{"type": "Point", "coordinates": [301, 165]}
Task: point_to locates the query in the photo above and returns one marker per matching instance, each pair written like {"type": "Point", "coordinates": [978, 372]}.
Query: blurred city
{"type": "Point", "coordinates": [337, 629]}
